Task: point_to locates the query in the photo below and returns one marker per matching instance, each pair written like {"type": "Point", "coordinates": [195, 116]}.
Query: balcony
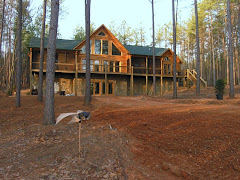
{"type": "Point", "coordinates": [109, 69]}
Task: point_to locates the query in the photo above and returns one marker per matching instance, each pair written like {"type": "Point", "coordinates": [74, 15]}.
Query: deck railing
{"type": "Point", "coordinates": [95, 68]}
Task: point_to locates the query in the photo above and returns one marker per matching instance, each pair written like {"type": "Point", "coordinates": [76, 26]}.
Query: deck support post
{"type": "Point", "coordinates": [105, 67]}
{"type": "Point", "coordinates": [131, 82]}
{"type": "Point", "coordinates": [161, 78]}
{"type": "Point", "coordinates": [31, 79]}
{"type": "Point", "coordinates": [146, 75]}
{"type": "Point", "coordinates": [76, 72]}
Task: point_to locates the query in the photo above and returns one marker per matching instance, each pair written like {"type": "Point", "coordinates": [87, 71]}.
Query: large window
{"type": "Point", "coordinates": [101, 47]}
{"type": "Point", "coordinates": [97, 46]}
{"type": "Point", "coordinates": [83, 49]}
{"type": "Point", "coordinates": [115, 50]}
{"type": "Point", "coordinates": [104, 47]}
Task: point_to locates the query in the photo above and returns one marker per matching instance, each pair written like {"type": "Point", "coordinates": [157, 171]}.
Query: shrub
{"type": "Point", "coordinates": [220, 86]}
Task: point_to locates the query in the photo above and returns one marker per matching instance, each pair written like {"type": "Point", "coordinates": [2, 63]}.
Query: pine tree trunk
{"type": "Point", "coordinates": [213, 56]}
{"type": "Point", "coordinates": [174, 53]}
{"type": "Point", "coordinates": [88, 73]}
{"type": "Point", "coordinates": [19, 55]}
{"type": "Point", "coordinates": [230, 47]}
{"type": "Point", "coordinates": [198, 50]}
{"type": "Point", "coordinates": [2, 23]}
{"type": "Point", "coordinates": [40, 80]}
{"type": "Point", "coordinates": [154, 63]}
{"type": "Point", "coordinates": [49, 115]}
{"type": "Point", "coordinates": [203, 60]}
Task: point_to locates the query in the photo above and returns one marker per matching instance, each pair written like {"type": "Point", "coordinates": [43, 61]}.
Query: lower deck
{"type": "Point", "coordinates": [111, 84]}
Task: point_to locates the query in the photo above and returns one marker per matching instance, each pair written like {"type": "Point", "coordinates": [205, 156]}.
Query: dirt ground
{"type": "Point", "coordinates": [192, 137]}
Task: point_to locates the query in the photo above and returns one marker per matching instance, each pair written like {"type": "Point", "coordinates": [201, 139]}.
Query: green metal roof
{"type": "Point", "coordinates": [62, 44]}
{"type": "Point", "coordinates": [144, 50]}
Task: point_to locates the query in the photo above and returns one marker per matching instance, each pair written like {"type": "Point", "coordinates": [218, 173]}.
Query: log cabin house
{"type": "Point", "coordinates": [116, 69]}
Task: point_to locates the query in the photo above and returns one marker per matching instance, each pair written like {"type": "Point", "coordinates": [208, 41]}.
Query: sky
{"type": "Point", "coordinates": [108, 11]}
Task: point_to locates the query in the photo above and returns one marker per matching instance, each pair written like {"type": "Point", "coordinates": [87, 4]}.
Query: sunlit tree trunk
{"type": "Point", "coordinates": [230, 47]}
{"type": "Point", "coordinates": [213, 53]}
{"type": "Point", "coordinates": [88, 73]}
{"type": "Point", "coordinates": [154, 63]}
{"type": "Point", "coordinates": [198, 50]}
{"type": "Point", "coordinates": [2, 23]}
{"type": "Point", "coordinates": [19, 55]}
{"type": "Point", "coordinates": [40, 80]}
{"type": "Point", "coordinates": [174, 53]}
{"type": "Point", "coordinates": [49, 115]}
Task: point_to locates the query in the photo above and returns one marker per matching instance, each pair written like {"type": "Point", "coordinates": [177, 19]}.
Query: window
{"type": "Point", "coordinates": [117, 66]}
{"type": "Point", "coordinates": [166, 59]}
{"type": "Point", "coordinates": [110, 88]}
{"type": "Point", "coordinates": [103, 88]}
{"type": "Point", "coordinates": [96, 65]}
{"type": "Point", "coordinates": [97, 88]}
{"type": "Point", "coordinates": [169, 69]}
{"type": "Point", "coordinates": [115, 50]}
{"type": "Point", "coordinates": [101, 34]}
{"type": "Point", "coordinates": [83, 49]}
{"type": "Point", "coordinates": [92, 87]}
{"type": "Point", "coordinates": [111, 66]}
{"type": "Point", "coordinates": [56, 58]}
{"type": "Point", "coordinates": [105, 64]}
{"type": "Point", "coordinates": [83, 65]}
{"type": "Point", "coordinates": [91, 65]}
{"type": "Point", "coordinates": [97, 46]}
{"type": "Point", "coordinates": [104, 47]}
{"type": "Point", "coordinates": [101, 47]}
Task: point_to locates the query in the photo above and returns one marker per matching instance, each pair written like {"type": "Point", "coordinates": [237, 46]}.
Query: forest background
{"type": "Point", "coordinates": [212, 31]}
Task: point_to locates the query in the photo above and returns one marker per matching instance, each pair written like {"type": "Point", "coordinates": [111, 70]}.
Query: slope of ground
{"type": "Point", "coordinates": [192, 137]}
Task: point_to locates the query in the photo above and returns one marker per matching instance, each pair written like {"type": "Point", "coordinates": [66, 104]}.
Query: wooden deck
{"type": "Point", "coordinates": [103, 69]}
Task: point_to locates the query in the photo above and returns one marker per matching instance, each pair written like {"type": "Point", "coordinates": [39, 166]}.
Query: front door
{"type": "Point", "coordinates": [167, 69]}
{"type": "Point", "coordinates": [99, 88]}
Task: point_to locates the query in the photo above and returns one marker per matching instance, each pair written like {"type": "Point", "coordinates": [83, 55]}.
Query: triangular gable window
{"type": "Point", "coordinates": [115, 50]}
{"type": "Point", "coordinates": [101, 34]}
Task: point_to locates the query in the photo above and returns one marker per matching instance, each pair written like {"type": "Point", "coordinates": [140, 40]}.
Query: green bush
{"type": "Point", "coordinates": [220, 86]}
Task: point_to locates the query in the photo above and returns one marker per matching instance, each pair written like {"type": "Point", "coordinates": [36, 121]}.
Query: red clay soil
{"type": "Point", "coordinates": [192, 137]}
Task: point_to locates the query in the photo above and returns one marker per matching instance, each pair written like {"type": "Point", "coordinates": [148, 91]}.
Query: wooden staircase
{"type": "Point", "coordinates": [192, 77]}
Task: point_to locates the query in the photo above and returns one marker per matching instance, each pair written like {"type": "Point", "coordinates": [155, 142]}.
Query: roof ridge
{"type": "Point", "coordinates": [144, 46]}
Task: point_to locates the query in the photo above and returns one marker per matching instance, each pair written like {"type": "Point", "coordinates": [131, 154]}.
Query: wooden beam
{"type": "Point", "coordinates": [30, 58]}
{"type": "Point", "coordinates": [146, 75]}
{"type": "Point", "coordinates": [161, 78]}
{"type": "Point", "coordinates": [76, 72]}
{"type": "Point", "coordinates": [131, 81]}
{"type": "Point", "coordinates": [105, 67]}
{"type": "Point", "coordinates": [31, 80]}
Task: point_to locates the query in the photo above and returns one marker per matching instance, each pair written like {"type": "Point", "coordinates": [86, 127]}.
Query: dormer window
{"type": "Point", "coordinates": [101, 34]}
{"type": "Point", "coordinates": [166, 59]}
